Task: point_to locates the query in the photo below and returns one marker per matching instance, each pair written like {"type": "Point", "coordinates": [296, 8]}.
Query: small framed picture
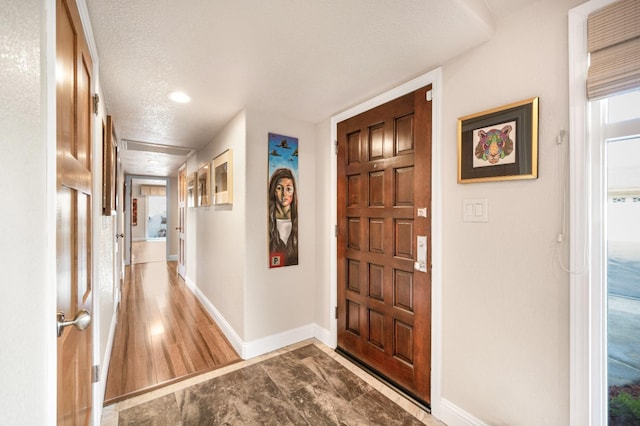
{"type": "Point", "coordinates": [192, 189]}
{"type": "Point", "coordinates": [204, 184]}
{"type": "Point", "coordinates": [499, 144]}
{"type": "Point", "coordinates": [109, 167]}
{"type": "Point", "coordinates": [223, 178]}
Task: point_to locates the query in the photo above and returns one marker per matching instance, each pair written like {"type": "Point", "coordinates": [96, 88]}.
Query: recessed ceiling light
{"type": "Point", "coordinates": [179, 97]}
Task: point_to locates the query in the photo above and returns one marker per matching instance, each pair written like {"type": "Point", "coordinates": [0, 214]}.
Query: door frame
{"type": "Point", "coordinates": [435, 79]}
{"type": "Point", "coordinates": [182, 214]}
{"type": "Point", "coordinates": [48, 70]}
{"type": "Point", "coordinates": [127, 217]}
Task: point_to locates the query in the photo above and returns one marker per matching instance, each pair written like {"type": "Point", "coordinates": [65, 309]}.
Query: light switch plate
{"type": "Point", "coordinates": [475, 210]}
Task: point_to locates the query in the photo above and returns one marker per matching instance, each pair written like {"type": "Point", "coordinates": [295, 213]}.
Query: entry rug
{"type": "Point", "coordinates": [304, 386]}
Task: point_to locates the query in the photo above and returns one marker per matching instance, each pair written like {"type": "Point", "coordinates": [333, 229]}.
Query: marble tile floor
{"type": "Point", "coordinates": [306, 383]}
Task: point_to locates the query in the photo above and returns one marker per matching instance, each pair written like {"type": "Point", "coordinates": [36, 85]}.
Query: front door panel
{"type": "Point", "coordinates": [384, 176]}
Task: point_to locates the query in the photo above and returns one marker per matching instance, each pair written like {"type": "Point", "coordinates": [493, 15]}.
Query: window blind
{"type": "Point", "coordinates": [160, 191]}
{"type": "Point", "coordinates": [613, 37]}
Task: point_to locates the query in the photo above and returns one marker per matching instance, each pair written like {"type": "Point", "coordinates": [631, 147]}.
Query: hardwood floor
{"type": "Point", "coordinates": [148, 251]}
{"type": "Point", "coordinates": [163, 334]}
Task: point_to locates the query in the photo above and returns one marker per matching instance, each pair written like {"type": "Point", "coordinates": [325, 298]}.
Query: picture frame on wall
{"type": "Point", "coordinates": [223, 178]}
{"type": "Point", "coordinates": [109, 167]}
{"type": "Point", "coordinates": [499, 144]}
{"type": "Point", "coordinates": [192, 189]}
{"type": "Point", "coordinates": [134, 212]}
{"type": "Point", "coordinates": [282, 212]}
{"type": "Point", "coordinates": [204, 183]}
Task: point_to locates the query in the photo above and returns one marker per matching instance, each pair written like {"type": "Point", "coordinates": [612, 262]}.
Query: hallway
{"type": "Point", "coordinates": [163, 334]}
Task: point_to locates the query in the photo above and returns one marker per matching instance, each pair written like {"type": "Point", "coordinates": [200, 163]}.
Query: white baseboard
{"type": "Point", "coordinates": [277, 341]}
{"type": "Point", "coordinates": [452, 415]}
{"type": "Point", "coordinates": [324, 335]}
{"type": "Point", "coordinates": [101, 386]}
{"type": "Point", "coordinates": [104, 368]}
{"type": "Point", "coordinates": [226, 328]}
{"type": "Point", "coordinates": [264, 345]}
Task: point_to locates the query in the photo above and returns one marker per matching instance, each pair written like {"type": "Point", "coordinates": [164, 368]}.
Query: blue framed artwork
{"type": "Point", "coordinates": [283, 200]}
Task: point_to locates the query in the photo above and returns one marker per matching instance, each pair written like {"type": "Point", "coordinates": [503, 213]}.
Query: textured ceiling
{"type": "Point", "coordinates": [300, 58]}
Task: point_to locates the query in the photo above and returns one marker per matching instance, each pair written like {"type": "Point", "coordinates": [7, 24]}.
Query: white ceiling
{"type": "Point", "coordinates": [304, 59]}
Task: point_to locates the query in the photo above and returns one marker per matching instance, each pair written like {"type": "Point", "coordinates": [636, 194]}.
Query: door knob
{"type": "Point", "coordinates": [179, 228]}
{"type": "Point", "coordinates": [81, 321]}
{"type": "Point", "coordinates": [119, 236]}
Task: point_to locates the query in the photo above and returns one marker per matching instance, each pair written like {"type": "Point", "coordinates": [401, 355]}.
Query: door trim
{"type": "Point", "coordinates": [182, 215]}
{"type": "Point", "coordinates": [48, 78]}
{"type": "Point", "coordinates": [435, 79]}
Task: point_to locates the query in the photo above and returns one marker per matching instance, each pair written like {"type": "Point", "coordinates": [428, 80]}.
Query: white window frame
{"type": "Point", "coordinates": [588, 297]}
{"type": "Point", "coordinates": [585, 405]}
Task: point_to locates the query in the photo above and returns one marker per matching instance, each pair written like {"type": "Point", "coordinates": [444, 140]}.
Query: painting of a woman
{"type": "Point", "coordinates": [283, 219]}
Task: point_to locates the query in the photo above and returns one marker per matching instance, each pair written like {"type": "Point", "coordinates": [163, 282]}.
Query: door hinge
{"type": "Point", "coordinates": [336, 146]}
{"type": "Point", "coordinates": [336, 312]}
{"type": "Point", "coordinates": [429, 95]}
{"type": "Point", "coordinates": [335, 231]}
{"type": "Point", "coordinates": [95, 374]}
{"type": "Point", "coordinates": [96, 101]}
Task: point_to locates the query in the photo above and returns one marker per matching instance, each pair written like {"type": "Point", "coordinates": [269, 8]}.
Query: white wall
{"type": "Point", "coordinates": [105, 279]}
{"type": "Point", "coordinates": [28, 346]}
{"type": "Point", "coordinates": [229, 242]}
{"type": "Point", "coordinates": [505, 296]}
{"type": "Point", "coordinates": [279, 299]}
{"type": "Point", "coordinates": [325, 231]}
{"type": "Point", "coordinates": [216, 234]}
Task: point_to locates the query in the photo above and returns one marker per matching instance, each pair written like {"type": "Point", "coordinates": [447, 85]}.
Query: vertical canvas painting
{"type": "Point", "coordinates": [283, 200]}
{"type": "Point", "coordinates": [134, 212]}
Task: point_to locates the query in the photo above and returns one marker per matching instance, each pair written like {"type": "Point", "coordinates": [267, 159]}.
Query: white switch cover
{"type": "Point", "coordinates": [475, 210]}
{"type": "Point", "coordinates": [468, 209]}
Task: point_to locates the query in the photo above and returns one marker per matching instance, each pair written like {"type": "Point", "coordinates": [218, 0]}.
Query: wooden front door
{"type": "Point", "coordinates": [384, 204]}
{"type": "Point", "coordinates": [74, 213]}
{"type": "Point", "coordinates": [182, 210]}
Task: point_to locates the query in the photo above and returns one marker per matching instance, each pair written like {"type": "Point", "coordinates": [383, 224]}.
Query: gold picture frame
{"type": "Point", "coordinates": [109, 167]}
{"type": "Point", "coordinates": [499, 144]}
{"type": "Point", "coordinates": [192, 189]}
{"type": "Point", "coordinates": [204, 186]}
{"type": "Point", "coordinates": [222, 172]}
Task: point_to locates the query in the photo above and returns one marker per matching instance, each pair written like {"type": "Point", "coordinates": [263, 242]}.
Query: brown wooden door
{"type": "Point", "coordinates": [384, 176]}
{"type": "Point", "coordinates": [74, 213]}
{"type": "Point", "coordinates": [182, 210]}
